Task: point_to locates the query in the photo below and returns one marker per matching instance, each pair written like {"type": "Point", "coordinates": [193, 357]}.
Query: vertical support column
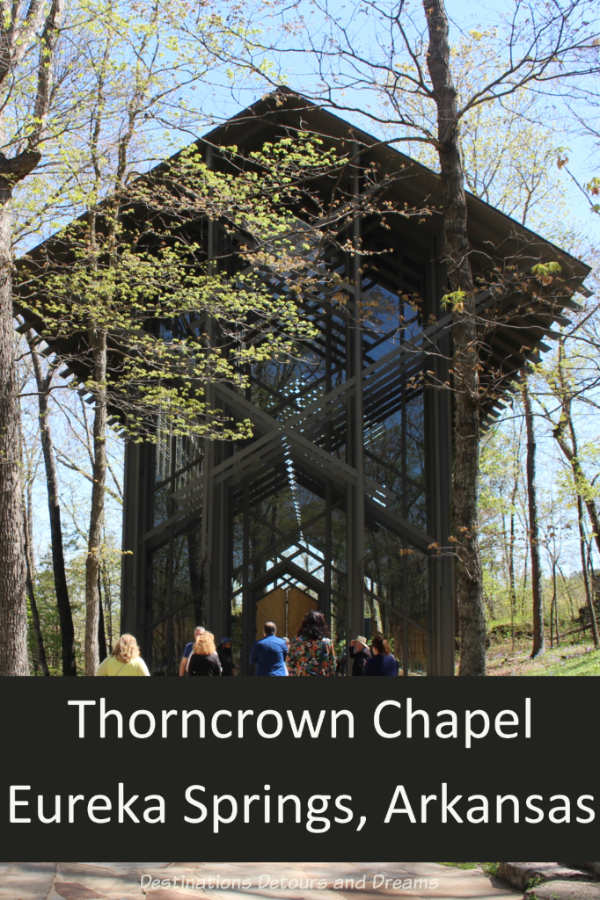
{"type": "Point", "coordinates": [131, 541]}
{"type": "Point", "coordinates": [208, 525]}
{"type": "Point", "coordinates": [225, 618]}
{"type": "Point", "coordinates": [326, 603]}
{"type": "Point", "coordinates": [327, 562]}
{"type": "Point", "coordinates": [405, 647]}
{"type": "Point", "coordinates": [222, 608]}
{"type": "Point", "coordinates": [248, 605]}
{"type": "Point", "coordinates": [431, 441]}
{"type": "Point", "coordinates": [349, 618]}
{"type": "Point", "coordinates": [219, 545]}
{"type": "Point", "coordinates": [357, 511]}
{"type": "Point", "coordinates": [136, 612]}
{"type": "Point", "coordinates": [403, 593]}
{"type": "Point", "coordinates": [218, 599]}
{"type": "Point", "coordinates": [212, 496]}
{"type": "Point", "coordinates": [144, 560]}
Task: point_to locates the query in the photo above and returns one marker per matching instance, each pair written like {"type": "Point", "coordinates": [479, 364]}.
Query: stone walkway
{"type": "Point", "coordinates": [235, 881]}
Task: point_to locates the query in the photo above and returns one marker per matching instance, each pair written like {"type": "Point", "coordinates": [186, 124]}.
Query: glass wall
{"type": "Point", "coordinates": [397, 597]}
{"type": "Point", "coordinates": [286, 492]}
{"type": "Point", "coordinates": [177, 602]}
{"type": "Point", "coordinates": [178, 474]}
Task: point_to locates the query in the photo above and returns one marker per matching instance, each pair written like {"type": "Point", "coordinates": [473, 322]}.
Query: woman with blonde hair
{"type": "Point", "coordinates": [204, 660]}
{"type": "Point", "coordinates": [125, 659]}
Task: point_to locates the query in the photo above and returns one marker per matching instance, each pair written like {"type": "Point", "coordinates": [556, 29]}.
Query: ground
{"type": "Point", "coordinates": [272, 881]}
{"type": "Point", "coordinates": [567, 659]}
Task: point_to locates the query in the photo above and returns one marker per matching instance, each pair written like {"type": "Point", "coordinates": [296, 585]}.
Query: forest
{"type": "Point", "coordinates": [501, 101]}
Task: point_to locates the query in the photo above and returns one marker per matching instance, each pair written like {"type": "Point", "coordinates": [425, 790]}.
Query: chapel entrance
{"type": "Point", "coordinates": [286, 607]}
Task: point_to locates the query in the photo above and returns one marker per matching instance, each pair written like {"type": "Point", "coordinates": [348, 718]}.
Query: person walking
{"type": "Point", "coordinates": [383, 661]}
{"type": "Point", "coordinates": [199, 629]}
{"type": "Point", "coordinates": [124, 660]}
{"type": "Point", "coordinates": [203, 660]}
{"type": "Point", "coordinates": [269, 653]}
{"type": "Point", "coordinates": [359, 654]}
{"type": "Point", "coordinates": [311, 652]}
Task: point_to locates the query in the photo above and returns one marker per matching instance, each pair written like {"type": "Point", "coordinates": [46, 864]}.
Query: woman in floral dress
{"type": "Point", "coordinates": [311, 652]}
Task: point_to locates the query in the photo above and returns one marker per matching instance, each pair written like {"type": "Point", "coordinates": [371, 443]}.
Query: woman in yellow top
{"type": "Point", "coordinates": [125, 659]}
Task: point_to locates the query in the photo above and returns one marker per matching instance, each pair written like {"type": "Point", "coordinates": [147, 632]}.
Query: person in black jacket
{"type": "Point", "coordinates": [225, 653]}
{"type": "Point", "coordinates": [383, 661]}
{"type": "Point", "coordinates": [203, 660]}
{"type": "Point", "coordinates": [359, 654]}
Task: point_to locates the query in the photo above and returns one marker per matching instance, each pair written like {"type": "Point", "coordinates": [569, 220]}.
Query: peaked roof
{"type": "Point", "coordinates": [495, 237]}
{"type": "Point", "coordinates": [285, 108]}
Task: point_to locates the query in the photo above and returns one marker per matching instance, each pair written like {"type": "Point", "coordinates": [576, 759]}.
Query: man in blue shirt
{"type": "Point", "coordinates": [187, 650]}
{"type": "Point", "coordinates": [268, 654]}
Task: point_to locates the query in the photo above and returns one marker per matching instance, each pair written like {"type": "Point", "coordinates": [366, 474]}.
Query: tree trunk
{"type": "Point", "coordinates": [13, 597]}
{"type": "Point", "coordinates": [555, 602]}
{"type": "Point", "coordinates": [533, 530]}
{"type": "Point", "coordinates": [589, 594]}
{"type": "Point", "coordinates": [23, 35]}
{"type": "Point", "coordinates": [512, 585]}
{"type": "Point", "coordinates": [582, 485]}
{"type": "Point", "coordinates": [567, 591]}
{"type": "Point", "coordinates": [579, 477]}
{"type": "Point", "coordinates": [107, 605]}
{"type": "Point", "coordinates": [67, 631]}
{"type": "Point", "coordinates": [40, 657]}
{"type": "Point", "coordinates": [465, 362]}
{"type": "Point", "coordinates": [93, 560]}
{"type": "Point", "coordinates": [101, 627]}
{"type": "Point", "coordinates": [511, 570]}
{"type": "Point", "coordinates": [592, 606]}
{"type": "Point", "coordinates": [525, 582]}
